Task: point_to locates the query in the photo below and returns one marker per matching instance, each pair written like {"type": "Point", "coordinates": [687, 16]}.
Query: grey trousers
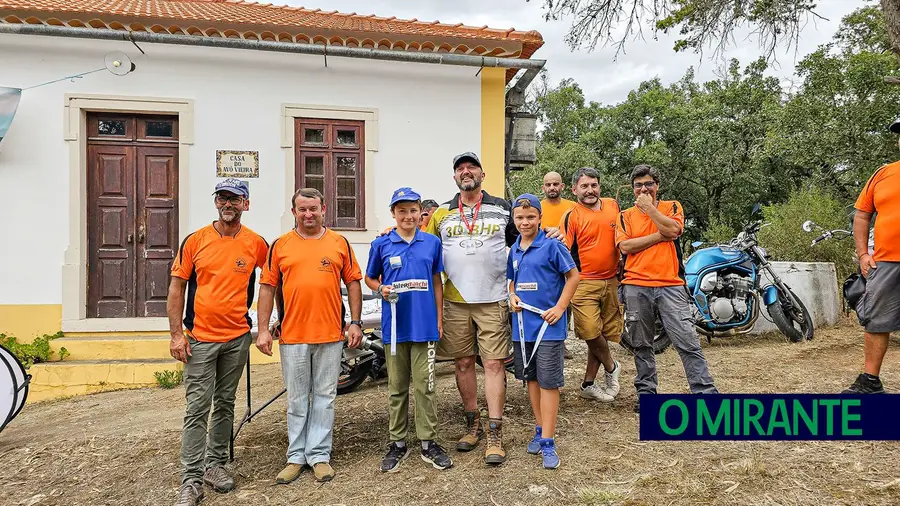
{"type": "Point", "coordinates": [211, 376]}
{"type": "Point", "coordinates": [311, 373]}
{"type": "Point", "coordinates": [671, 302]}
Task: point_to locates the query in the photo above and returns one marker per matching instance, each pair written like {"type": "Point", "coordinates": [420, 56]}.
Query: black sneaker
{"type": "Point", "coordinates": [395, 455]}
{"type": "Point", "coordinates": [436, 456]}
{"type": "Point", "coordinates": [865, 384]}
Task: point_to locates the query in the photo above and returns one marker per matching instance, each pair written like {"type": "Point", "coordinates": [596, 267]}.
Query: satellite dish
{"type": "Point", "coordinates": [118, 63]}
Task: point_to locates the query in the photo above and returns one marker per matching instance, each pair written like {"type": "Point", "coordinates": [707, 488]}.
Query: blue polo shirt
{"type": "Point", "coordinates": [409, 267]}
{"type": "Point", "coordinates": [538, 275]}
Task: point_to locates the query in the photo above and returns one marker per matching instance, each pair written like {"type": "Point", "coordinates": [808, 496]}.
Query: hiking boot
{"type": "Point", "coordinates": [290, 473]}
{"type": "Point", "coordinates": [474, 432]}
{"type": "Point", "coordinates": [436, 456]}
{"type": "Point", "coordinates": [534, 446]}
{"type": "Point", "coordinates": [323, 471]}
{"type": "Point", "coordinates": [190, 494]}
{"type": "Point", "coordinates": [611, 379]}
{"type": "Point", "coordinates": [219, 479]}
{"type": "Point", "coordinates": [494, 453]}
{"type": "Point", "coordinates": [548, 451]}
{"type": "Point", "coordinates": [395, 455]}
{"type": "Point", "coordinates": [865, 384]}
{"type": "Point", "coordinates": [595, 393]}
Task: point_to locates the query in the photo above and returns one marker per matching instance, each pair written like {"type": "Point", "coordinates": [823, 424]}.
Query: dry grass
{"type": "Point", "coordinates": [122, 447]}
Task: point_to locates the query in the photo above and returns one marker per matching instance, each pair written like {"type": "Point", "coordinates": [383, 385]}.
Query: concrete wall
{"type": "Point", "coordinates": [816, 285]}
{"type": "Point", "coordinates": [426, 115]}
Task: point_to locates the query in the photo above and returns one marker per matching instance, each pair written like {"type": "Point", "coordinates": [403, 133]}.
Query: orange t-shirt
{"type": "Point", "coordinates": [882, 195]}
{"type": "Point", "coordinates": [591, 236]}
{"type": "Point", "coordinates": [660, 264]}
{"type": "Point", "coordinates": [221, 276]}
{"type": "Point", "coordinates": [310, 272]}
{"type": "Point", "coordinates": [551, 213]}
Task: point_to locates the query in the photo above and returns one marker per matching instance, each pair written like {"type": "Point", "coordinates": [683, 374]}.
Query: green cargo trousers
{"type": "Point", "coordinates": [414, 360]}
{"type": "Point", "coordinates": [211, 376]}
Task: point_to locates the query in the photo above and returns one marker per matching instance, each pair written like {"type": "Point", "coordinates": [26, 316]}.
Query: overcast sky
{"type": "Point", "coordinates": [602, 77]}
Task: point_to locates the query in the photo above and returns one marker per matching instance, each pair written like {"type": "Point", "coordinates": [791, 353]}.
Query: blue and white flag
{"type": "Point", "coordinates": [9, 102]}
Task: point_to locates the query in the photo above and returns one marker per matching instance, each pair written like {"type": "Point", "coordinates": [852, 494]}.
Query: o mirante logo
{"type": "Point", "coordinates": [769, 417]}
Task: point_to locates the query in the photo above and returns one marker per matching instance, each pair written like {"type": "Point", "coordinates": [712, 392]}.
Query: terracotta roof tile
{"type": "Point", "coordinates": [252, 13]}
{"type": "Point", "coordinates": [258, 21]}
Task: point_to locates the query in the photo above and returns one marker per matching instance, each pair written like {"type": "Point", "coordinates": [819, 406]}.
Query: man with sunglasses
{"type": "Point", "coordinates": [654, 284]}
{"type": "Point", "coordinates": [428, 207]}
{"type": "Point", "coordinates": [217, 264]}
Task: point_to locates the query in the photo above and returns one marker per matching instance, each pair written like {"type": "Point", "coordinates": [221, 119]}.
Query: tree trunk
{"type": "Point", "coordinates": [891, 9]}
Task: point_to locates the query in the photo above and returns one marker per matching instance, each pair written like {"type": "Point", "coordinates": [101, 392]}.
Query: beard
{"type": "Point", "coordinates": [469, 185]}
{"type": "Point", "coordinates": [589, 198]}
{"type": "Point", "coordinates": [552, 194]}
{"type": "Point", "coordinates": [234, 216]}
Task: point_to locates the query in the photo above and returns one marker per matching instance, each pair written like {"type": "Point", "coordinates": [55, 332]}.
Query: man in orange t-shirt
{"type": "Point", "coordinates": [217, 264]}
{"type": "Point", "coordinates": [880, 305]}
{"type": "Point", "coordinates": [590, 231]}
{"type": "Point", "coordinates": [308, 264]}
{"type": "Point", "coordinates": [553, 205]}
{"type": "Point", "coordinates": [647, 234]}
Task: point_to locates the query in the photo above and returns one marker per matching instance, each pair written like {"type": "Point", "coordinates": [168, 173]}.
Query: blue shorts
{"type": "Point", "coordinates": [546, 367]}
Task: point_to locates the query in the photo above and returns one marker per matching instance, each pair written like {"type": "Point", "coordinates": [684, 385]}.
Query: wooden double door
{"type": "Point", "coordinates": [132, 213]}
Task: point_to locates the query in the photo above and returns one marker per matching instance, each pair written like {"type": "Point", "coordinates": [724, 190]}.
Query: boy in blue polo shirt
{"type": "Point", "coordinates": [542, 280]}
{"type": "Point", "coordinates": [405, 268]}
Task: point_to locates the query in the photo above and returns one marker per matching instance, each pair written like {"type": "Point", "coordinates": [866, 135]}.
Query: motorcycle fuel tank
{"type": "Point", "coordinates": [707, 257]}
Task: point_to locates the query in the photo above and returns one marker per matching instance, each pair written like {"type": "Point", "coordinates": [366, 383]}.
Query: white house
{"type": "Point", "coordinates": [104, 174]}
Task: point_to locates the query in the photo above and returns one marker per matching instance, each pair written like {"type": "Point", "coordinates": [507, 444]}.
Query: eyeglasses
{"type": "Point", "coordinates": [234, 200]}
{"type": "Point", "coordinates": [647, 185]}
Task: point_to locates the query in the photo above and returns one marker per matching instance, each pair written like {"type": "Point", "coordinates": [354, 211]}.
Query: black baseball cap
{"type": "Point", "coordinates": [466, 157]}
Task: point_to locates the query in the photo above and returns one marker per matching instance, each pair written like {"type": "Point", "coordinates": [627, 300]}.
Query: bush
{"type": "Point", "coordinates": [169, 379]}
{"type": "Point", "coordinates": [35, 352]}
{"type": "Point", "coordinates": [785, 240]}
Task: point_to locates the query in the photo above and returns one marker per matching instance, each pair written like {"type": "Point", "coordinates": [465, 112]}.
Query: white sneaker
{"type": "Point", "coordinates": [594, 392]}
{"type": "Point", "coordinates": [612, 380]}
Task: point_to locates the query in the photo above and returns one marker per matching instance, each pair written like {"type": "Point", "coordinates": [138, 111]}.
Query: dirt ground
{"type": "Point", "coordinates": [122, 447]}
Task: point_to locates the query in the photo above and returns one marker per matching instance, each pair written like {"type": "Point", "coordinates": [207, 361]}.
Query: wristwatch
{"type": "Point", "coordinates": [358, 323]}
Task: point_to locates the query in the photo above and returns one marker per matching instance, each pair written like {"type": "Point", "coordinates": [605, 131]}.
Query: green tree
{"type": "Point", "coordinates": [785, 240]}
{"type": "Point", "coordinates": [833, 130]}
{"type": "Point", "coordinates": [700, 23]}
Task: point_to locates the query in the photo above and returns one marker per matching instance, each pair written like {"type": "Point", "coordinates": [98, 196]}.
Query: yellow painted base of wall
{"type": "Point", "coordinates": [98, 364]}
{"type": "Point", "coordinates": [112, 348]}
{"type": "Point", "coordinates": [27, 321]}
{"type": "Point", "coordinates": [62, 379]}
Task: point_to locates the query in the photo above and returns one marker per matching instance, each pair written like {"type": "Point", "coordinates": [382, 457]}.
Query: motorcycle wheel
{"type": "Point", "coordinates": [353, 377]}
{"type": "Point", "coordinates": [794, 322]}
{"type": "Point", "coordinates": [661, 339]}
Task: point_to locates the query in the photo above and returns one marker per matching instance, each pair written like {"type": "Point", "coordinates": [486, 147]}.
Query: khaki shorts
{"type": "Point", "coordinates": [596, 310]}
{"type": "Point", "coordinates": [486, 323]}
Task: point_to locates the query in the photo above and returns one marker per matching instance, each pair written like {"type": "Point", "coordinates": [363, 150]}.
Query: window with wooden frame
{"type": "Point", "coordinates": [330, 156]}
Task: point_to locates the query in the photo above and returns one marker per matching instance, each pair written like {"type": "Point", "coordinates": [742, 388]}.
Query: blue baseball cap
{"type": "Point", "coordinates": [405, 194]}
{"type": "Point", "coordinates": [235, 186]}
{"type": "Point", "coordinates": [533, 200]}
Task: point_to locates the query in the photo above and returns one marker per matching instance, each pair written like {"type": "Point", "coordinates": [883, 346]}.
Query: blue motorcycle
{"type": "Point", "coordinates": [727, 288]}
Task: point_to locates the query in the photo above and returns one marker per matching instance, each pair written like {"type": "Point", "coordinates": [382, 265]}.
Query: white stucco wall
{"type": "Point", "coordinates": [427, 114]}
{"type": "Point", "coordinates": [815, 283]}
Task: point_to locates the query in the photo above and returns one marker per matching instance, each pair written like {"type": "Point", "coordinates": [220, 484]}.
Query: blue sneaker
{"type": "Point", "coordinates": [548, 449]}
{"type": "Point", "coordinates": [534, 447]}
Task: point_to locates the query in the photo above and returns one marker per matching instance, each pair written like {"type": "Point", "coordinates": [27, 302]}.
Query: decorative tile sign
{"type": "Point", "coordinates": [237, 163]}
